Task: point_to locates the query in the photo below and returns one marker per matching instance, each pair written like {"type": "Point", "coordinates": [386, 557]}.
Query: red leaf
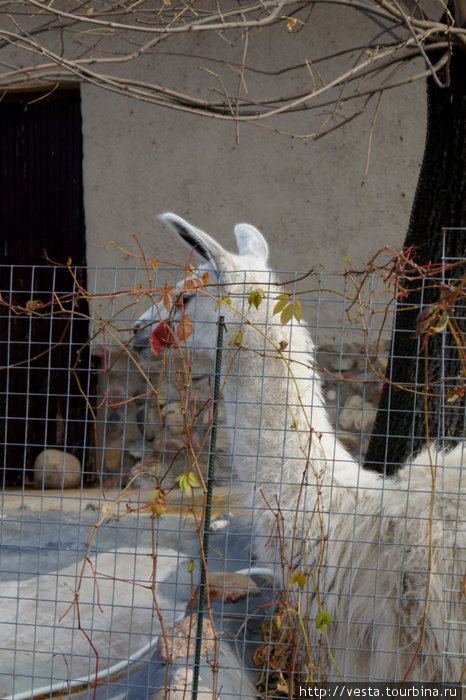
{"type": "Point", "coordinates": [161, 337]}
{"type": "Point", "coordinates": [185, 328]}
{"type": "Point", "coordinates": [167, 297]}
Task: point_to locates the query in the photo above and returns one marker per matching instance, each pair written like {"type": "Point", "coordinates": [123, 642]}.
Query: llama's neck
{"type": "Point", "coordinates": [274, 404]}
{"type": "Point", "coordinates": [286, 455]}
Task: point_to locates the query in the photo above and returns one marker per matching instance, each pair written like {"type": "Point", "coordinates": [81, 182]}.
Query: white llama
{"type": "Point", "coordinates": [389, 563]}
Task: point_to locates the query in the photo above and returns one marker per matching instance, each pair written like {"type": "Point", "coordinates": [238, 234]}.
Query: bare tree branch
{"type": "Point", "coordinates": [93, 41]}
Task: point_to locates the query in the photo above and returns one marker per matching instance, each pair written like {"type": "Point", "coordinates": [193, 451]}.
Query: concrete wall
{"type": "Point", "coordinates": [307, 197]}
{"type": "Point", "coordinates": [141, 160]}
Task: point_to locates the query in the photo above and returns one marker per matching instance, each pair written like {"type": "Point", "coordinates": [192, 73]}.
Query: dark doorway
{"type": "Point", "coordinates": [43, 374]}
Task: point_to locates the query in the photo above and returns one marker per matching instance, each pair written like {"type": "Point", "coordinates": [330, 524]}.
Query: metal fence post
{"type": "Point", "coordinates": [210, 484]}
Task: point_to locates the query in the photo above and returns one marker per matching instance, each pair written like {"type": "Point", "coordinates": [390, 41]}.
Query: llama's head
{"type": "Point", "coordinates": [230, 276]}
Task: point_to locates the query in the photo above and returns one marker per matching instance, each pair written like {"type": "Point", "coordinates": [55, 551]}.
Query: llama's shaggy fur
{"type": "Point", "coordinates": [387, 553]}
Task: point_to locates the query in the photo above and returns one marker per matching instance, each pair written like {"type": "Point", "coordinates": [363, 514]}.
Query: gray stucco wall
{"type": "Point", "coordinates": [141, 160]}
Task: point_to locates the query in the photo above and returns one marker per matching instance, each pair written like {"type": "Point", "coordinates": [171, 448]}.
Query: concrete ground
{"type": "Point", "coordinates": [50, 635]}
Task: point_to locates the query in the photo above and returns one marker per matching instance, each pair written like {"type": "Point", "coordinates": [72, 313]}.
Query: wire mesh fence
{"type": "Point", "coordinates": [145, 555]}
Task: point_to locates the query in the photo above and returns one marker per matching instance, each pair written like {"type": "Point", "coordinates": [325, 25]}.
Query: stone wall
{"type": "Point", "coordinates": [155, 437]}
{"type": "Point", "coordinates": [141, 434]}
{"type": "Point", "coordinates": [352, 391]}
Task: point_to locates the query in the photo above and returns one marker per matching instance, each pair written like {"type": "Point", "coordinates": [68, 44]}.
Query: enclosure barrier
{"type": "Point", "coordinates": [115, 535]}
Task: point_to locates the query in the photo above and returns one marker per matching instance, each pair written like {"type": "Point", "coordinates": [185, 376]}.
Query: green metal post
{"type": "Point", "coordinates": [210, 485]}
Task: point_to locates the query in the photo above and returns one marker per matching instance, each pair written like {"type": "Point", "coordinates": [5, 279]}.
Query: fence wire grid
{"type": "Point", "coordinates": [314, 572]}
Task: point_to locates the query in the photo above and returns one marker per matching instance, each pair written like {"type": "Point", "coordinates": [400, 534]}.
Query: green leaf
{"type": "Point", "coordinates": [287, 308]}
{"type": "Point", "coordinates": [286, 314]}
{"type": "Point", "coordinates": [183, 483]}
{"type": "Point", "coordinates": [441, 324]}
{"type": "Point", "coordinates": [193, 480]}
{"type": "Point", "coordinates": [237, 339]}
{"type": "Point", "coordinates": [283, 301]}
{"type": "Point", "coordinates": [224, 300]}
{"type": "Point", "coordinates": [297, 310]}
{"type": "Point", "coordinates": [187, 482]}
{"type": "Point", "coordinates": [299, 578]}
{"type": "Point", "coordinates": [191, 566]}
{"type": "Point", "coordinates": [255, 297]}
{"type": "Point", "coordinates": [323, 620]}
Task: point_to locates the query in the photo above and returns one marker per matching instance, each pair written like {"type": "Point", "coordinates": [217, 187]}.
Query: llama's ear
{"type": "Point", "coordinates": [203, 244]}
{"type": "Point", "coordinates": [251, 243]}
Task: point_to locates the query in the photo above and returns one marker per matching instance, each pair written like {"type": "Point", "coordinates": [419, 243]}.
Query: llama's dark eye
{"type": "Point", "coordinates": [180, 300]}
{"type": "Point", "coordinates": [183, 299]}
